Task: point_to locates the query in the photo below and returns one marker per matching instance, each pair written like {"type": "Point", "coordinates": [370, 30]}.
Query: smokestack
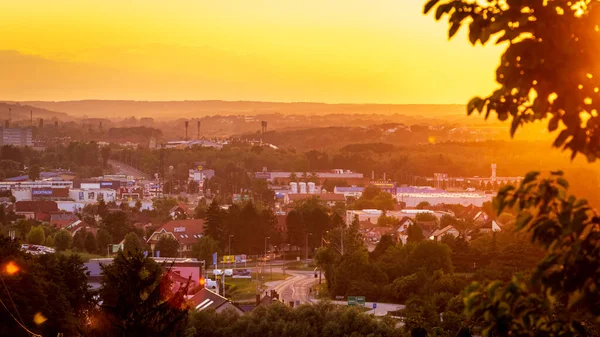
{"type": "Point", "coordinates": [31, 118]}
{"type": "Point", "coordinates": [373, 175]}
{"type": "Point", "coordinates": [384, 175]}
{"type": "Point", "coordinates": [187, 124]}
{"type": "Point", "coordinates": [9, 113]}
{"type": "Point", "coordinates": [198, 130]}
{"type": "Point", "coordinates": [41, 123]}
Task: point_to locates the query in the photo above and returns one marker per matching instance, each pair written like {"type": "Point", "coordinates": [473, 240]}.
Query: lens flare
{"type": "Point", "coordinates": [38, 318]}
{"type": "Point", "coordinates": [11, 268]}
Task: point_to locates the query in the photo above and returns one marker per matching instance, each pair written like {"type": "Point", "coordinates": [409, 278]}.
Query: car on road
{"type": "Point", "coordinates": [217, 272]}
{"type": "Point", "coordinates": [228, 272]}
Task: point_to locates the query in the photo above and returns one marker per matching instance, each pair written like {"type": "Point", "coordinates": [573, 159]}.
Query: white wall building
{"type": "Point", "coordinates": [93, 195]}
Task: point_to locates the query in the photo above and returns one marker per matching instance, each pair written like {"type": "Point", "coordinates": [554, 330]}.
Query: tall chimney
{"type": "Point", "coordinates": [31, 118]}
{"type": "Point", "coordinates": [187, 123]}
{"type": "Point", "coordinates": [198, 130]}
{"type": "Point", "coordinates": [41, 123]}
{"type": "Point", "coordinates": [372, 174]}
{"type": "Point", "coordinates": [384, 176]}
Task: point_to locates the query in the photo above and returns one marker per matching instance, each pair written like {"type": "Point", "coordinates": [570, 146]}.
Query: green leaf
{"type": "Point", "coordinates": [429, 5]}
{"type": "Point", "coordinates": [441, 10]}
{"type": "Point", "coordinates": [474, 31]}
{"type": "Point", "coordinates": [562, 137]}
{"type": "Point", "coordinates": [453, 29]}
{"type": "Point", "coordinates": [529, 177]}
{"type": "Point", "coordinates": [523, 219]}
{"type": "Point", "coordinates": [484, 36]}
{"type": "Point", "coordinates": [562, 182]}
{"type": "Point", "coordinates": [553, 123]}
{"type": "Point", "coordinates": [515, 124]}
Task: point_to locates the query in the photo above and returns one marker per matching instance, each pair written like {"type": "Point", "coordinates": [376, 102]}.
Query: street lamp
{"type": "Point", "coordinates": [307, 235]}
{"type": "Point", "coordinates": [266, 238]}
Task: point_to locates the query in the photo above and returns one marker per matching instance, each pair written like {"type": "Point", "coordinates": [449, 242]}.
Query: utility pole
{"type": "Point", "coordinates": [307, 235]}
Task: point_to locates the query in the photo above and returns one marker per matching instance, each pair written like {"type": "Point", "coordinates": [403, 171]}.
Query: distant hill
{"type": "Point", "coordinates": [192, 109]}
{"type": "Point", "coordinates": [22, 112]}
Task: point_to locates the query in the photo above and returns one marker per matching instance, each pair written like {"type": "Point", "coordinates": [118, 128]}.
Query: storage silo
{"type": "Point", "coordinates": [311, 188]}
{"type": "Point", "coordinates": [302, 188]}
{"type": "Point", "coordinates": [293, 188]}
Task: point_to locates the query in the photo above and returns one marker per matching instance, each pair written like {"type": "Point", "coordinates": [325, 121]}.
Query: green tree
{"type": "Point", "coordinates": [132, 244]}
{"type": "Point", "coordinates": [162, 206]}
{"type": "Point", "coordinates": [79, 241]}
{"type": "Point", "coordinates": [430, 256]}
{"type": "Point", "coordinates": [62, 240]}
{"type": "Point", "coordinates": [414, 233]}
{"type": "Point", "coordinates": [562, 296]}
{"type": "Point", "coordinates": [204, 248]}
{"type": "Point", "coordinates": [201, 208]}
{"type": "Point", "coordinates": [117, 224]}
{"type": "Point", "coordinates": [423, 205]}
{"type": "Point", "coordinates": [384, 243]}
{"type": "Point", "coordinates": [138, 206]}
{"type": "Point", "coordinates": [213, 222]}
{"type": "Point", "coordinates": [102, 209]}
{"type": "Point", "coordinates": [49, 242]}
{"type": "Point", "coordinates": [90, 243]}
{"type": "Point", "coordinates": [103, 239]}
{"type": "Point", "coordinates": [168, 246]}
{"type": "Point", "coordinates": [36, 235]}
{"type": "Point", "coordinates": [137, 299]}
{"type": "Point", "coordinates": [355, 275]}
{"type": "Point", "coordinates": [34, 172]}
{"type": "Point", "coordinates": [322, 319]}
{"type": "Point", "coordinates": [538, 75]}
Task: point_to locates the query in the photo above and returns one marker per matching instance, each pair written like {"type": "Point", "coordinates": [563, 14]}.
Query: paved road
{"type": "Point", "coordinates": [122, 168]}
{"type": "Point", "coordinates": [296, 287]}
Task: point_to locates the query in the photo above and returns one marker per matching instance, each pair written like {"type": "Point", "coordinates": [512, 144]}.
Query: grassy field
{"type": "Point", "coordinates": [244, 289]}
{"type": "Point", "coordinates": [84, 256]}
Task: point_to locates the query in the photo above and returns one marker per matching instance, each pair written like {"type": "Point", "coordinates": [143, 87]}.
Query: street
{"type": "Point", "coordinates": [122, 168]}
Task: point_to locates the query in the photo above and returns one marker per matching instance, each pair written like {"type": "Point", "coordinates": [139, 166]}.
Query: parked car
{"type": "Point", "coordinates": [228, 272]}
{"type": "Point", "coordinates": [211, 284]}
{"type": "Point", "coordinates": [217, 272]}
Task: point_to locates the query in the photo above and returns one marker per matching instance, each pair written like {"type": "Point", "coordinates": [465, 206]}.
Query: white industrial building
{"type": "Point", "coordinates": [372, 215]}
{"type": "Point", "coordinates": [465, 199]}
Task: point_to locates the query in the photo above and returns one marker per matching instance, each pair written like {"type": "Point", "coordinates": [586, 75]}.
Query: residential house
{"type": "Point", "coordinates": [206, 299]}
{"type": "Point", "coordinates": [481, 217]}
{"type": "Point", "coordinates": [374, 235]}
{"type": "Point", "coordinates": [439, 233]}
{"type": "Point", "coordinates": [62, 219]}
{"type": "Point", "coordinates": [180, 211]}
{"type": "Point", "coordinates": [186, 232]}
{"type": "Point", "coordinates": [38, 210]}
{"type": "Point", "coordinates": [489, 227]}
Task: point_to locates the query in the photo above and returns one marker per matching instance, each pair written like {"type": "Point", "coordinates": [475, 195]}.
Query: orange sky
{"type": "Point", "coordinates": [278, 50]}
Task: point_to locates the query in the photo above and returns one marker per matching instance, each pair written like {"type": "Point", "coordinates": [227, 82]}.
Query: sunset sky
{"type": "Point", "coordinates": [272, 50]}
